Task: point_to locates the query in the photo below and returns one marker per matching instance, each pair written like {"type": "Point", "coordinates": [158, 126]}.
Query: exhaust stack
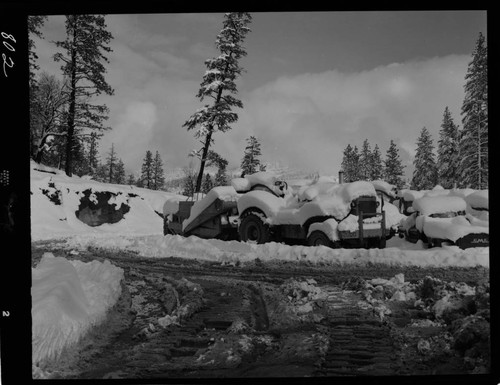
{"type": "Point", "coordinates": [341, 177]}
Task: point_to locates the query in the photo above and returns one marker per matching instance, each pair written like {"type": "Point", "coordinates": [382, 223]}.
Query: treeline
{"type": "Point", "coordinates": [366, 164]}
{"type": "Point", "coordinates": [462, 153]}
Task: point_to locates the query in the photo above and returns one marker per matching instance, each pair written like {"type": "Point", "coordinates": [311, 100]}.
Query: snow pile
{"type": "Point", "coordinates": [224, 193]}
{"type": "Point", "coordinates": [398, 252]}
{"type": "Point", "coordinates": [428, 205]}
{"type": "Point", "coordinates": [68, 297]}
{"type": "Point", "coordinates": [55, 199]}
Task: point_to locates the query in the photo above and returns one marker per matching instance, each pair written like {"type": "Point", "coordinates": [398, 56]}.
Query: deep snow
{"type": "Point", "coordinates": [69, 297]}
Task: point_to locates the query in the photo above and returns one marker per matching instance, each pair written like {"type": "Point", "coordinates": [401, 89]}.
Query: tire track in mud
{"type": "Point", "coordinates": [360, 343]}
{"type": "Point", "coordinates": [231, 329]}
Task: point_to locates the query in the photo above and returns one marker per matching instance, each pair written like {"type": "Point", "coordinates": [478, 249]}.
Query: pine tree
{"type": "Point", "coordinates": [147, 170]}
{"type": "Point", "coordinates": [219, 84]}
{"type": "Point", "coordinates": [131, 180]}
{"type": "Point", "coordinates": [393, 168]}
{"type": "Point", "coordinates": [250, 163]}
{"type": "Point", "coordinates": [474, 133]}
{"type": "Point", "coordinates": [448, 152]}
{"type": "Point", "coordinates": [365, 161]}
{"type": "Point", "coordinates": [119, 172]}
{"type": "Point", "coordinates": [82, 57]}
{"type": "Point", "coordinates": [158, 178]}
{"type": "Point", "coordinates": [425, 173]}
{"type": "Point", "coordinates": [101, 174]}
{"type": "Point", "coordinates": [221, 163]}
{"type": "Point", "coordinates": [189, 182]}
{"type": "Point", "coordinates": [348, 166]}
{"type": "Point", "coordinates": [207, 185]}
{"type": "Point", "coordinates": [111, 163]}
{"type": "Point", "coordinates": [376, 164]}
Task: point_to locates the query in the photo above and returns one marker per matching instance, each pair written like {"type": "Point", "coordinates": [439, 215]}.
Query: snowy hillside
{"type": "Point", "coordinates": [56, 199]}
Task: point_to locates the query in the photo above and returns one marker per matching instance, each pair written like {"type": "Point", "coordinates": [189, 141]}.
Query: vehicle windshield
{"type": "Point", "coordinates": [449, 214]}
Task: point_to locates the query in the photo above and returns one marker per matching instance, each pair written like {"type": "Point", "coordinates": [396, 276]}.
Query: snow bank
{"type": "Point", "coordinates": [428, 205]}
{"type": "Point", "coordinates": [68, 297]}
{"type": "Point", "coordinates": [224, 193]}
{"type": "Point", "coordinates": [55, 198]}
{"type": "Point", "coordinates": [398, 252]}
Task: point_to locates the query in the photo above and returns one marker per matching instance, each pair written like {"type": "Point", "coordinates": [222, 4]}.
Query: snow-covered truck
{"type": "Point", "coordinates": [323, 213]}
{"type": "Point", "coordinates": [261, 208]}
{"type": "Point", "coordinates": [442, 219]}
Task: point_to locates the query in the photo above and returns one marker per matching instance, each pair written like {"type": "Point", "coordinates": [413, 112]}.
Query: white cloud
{"type": "Point", "coordinates": [311, 118]}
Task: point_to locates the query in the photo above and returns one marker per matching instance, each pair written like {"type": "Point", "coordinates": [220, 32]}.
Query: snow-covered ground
{"type": "Point", "coordinates": [69, 297]}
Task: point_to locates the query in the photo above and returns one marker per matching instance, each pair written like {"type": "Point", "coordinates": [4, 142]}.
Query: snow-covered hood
{"type": "Point", "coordinates": [448, 228]}
{"type": "Point", "coordinates": [428, 205]}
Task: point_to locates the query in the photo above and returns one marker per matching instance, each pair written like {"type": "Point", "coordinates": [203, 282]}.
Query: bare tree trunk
{"type": "Point", "coordinates": [199, 179]}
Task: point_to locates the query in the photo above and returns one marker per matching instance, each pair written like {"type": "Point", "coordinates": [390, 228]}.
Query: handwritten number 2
{"type": "Point", "coordinates": [4, 57]}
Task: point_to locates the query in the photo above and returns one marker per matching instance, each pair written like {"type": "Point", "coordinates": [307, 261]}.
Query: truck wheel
{"type": "Point", "coordinates": [253, 229]}
{"type": "Point", "coordinates": [319, 238]}
{"type": "Point", "coordinates": [382, 243]}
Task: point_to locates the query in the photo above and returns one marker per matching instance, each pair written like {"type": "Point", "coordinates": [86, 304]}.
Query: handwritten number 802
{"type": "Point", "coordinates": [10, 48]}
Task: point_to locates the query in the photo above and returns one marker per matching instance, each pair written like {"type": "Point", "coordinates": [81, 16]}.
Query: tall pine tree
{"type": "Point", "coordinates": [250, 163]}
{"type": "Point", "coordinates": [119, 177]}
{"type": "Point", "coordinates": [111, 163]}
{"type": "Point", "coordinates": [158, 176]}
{"type": "Point", "coordinates": [393, 168]}
{"type": "Point", "coordinates": [147, 171]}
{"type": "Point", "coordinates": [448, 152]}
{"type": "Point", "coordinates": [377, 170]}
{"type": "Point", "coordinates": [365, 161]}
{"type": "Point", "coordinates": [425, 173]}
{"type": "Point", "coordinates": [349, 164]}
{"type": "Point", "coordinates": [219, 84]}
{"type": "Point", "coordinates": [82, 57]}
{"type": "Point", "coordinates": [474, 133]}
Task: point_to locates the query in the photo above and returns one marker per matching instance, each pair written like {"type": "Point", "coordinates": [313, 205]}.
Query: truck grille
{"type": "Point", "coordinates": [366, 205]}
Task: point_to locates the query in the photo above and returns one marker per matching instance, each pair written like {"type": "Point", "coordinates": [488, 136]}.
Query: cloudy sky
{"type": "Point", "coordinates": [314, 82]}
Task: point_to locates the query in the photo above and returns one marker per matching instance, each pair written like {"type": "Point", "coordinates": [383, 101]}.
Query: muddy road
{"type": "Point", "coordinates": [180, 318]}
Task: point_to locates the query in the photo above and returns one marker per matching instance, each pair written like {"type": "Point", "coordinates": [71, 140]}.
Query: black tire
{"type": "Point", "coordinates": [382, 243]}
{"type": "Point", "coordinates": [319, 238]}
{"type": "Point", "coordinates": [253, 229]}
